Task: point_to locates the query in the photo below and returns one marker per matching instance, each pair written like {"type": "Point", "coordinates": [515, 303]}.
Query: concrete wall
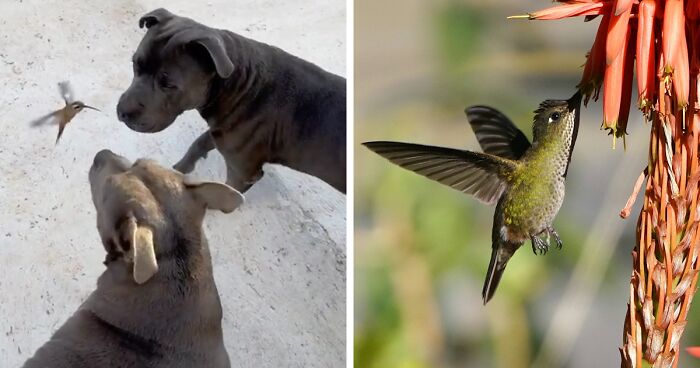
{"type": "Point", "coordinates": [279, 261]}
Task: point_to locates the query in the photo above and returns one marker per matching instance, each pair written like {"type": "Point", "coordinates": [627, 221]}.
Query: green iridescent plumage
{"type": "Point", "coordinates": [525, 181]}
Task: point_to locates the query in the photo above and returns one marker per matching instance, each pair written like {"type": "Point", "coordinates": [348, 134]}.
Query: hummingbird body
{"type": "Point", "coordinates": [526, 181]}
{"type": "Point", "coordinates": [64, 115]}
{"type": "Point", "coordinates": [536, 187]}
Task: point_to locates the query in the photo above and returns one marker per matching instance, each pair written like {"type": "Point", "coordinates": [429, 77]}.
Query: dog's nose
{"type": "Point", "coordinates": [106, 156]}
{"type": "Point", "coordinates": [101, 157]}
{"type": "Point", "coordinates": [128, 112]}
{"type": "Point", "coordinates": [127, 115]}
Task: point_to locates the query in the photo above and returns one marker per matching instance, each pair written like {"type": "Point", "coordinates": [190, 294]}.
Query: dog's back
{"type": "Point", "coordinates": [306, 104]}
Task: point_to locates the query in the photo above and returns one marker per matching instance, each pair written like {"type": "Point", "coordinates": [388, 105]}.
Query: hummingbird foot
{"type": "Point", "coordinates": [539, 245]}
{"type": "Point", "coordinates": [554, 233]}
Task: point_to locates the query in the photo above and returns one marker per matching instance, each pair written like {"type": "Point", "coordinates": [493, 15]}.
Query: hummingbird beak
{"type": "Point", "coordinates": [90, 107]}
{"type": "Point", "coordinates": [574, 103]}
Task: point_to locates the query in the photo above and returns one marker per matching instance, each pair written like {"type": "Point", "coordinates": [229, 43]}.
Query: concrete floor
{"type": "Point", "coordinates": [279, 261]}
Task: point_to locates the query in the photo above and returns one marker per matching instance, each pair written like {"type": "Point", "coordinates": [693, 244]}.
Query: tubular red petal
{"type": "Point", "coordinates": [681, 73]}
{"type": "Point", "coordinates": [646, 78]}
{"type": "Point", "coordinates": [612, 88]}
{"type": "Point", "coordinates": [570, 10]}
{"type": "Point", "coordinates": [626, 92]}
{"type": "Point", "coordinates": [595, 64]}
{"type": "Point", "coordinates": [673, 27]}
{"type": "Point", "coordinates": [617, 31]}
{"type": "Point", "coordinates": [622, 6]}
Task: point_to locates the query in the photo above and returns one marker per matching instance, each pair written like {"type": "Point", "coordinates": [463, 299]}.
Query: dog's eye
{"type": "Point", "coordinates": [165, 83]}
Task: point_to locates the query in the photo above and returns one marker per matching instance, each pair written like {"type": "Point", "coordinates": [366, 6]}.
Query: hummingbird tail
{"type": "Point", "coordinates": [499, 259]}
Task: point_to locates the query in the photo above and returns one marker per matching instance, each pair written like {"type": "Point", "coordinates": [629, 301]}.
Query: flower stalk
{"type": "Point", "coordinates": [660, 39]}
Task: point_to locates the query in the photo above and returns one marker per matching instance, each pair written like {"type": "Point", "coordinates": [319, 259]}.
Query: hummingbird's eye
{"type": "Point", "coordinates": [554, 117]}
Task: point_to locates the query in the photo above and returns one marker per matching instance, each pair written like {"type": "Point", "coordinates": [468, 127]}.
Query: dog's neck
{"type": "Point", "coordinates": [225, 95]}
{"type": "Point", "coordinates": [182, 291]}
{"type": "Point", "coordinates": [236, 100]}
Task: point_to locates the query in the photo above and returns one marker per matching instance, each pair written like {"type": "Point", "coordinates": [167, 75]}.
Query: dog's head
{"type": "Point", "coordinates": [174, 66]}
{"type": "Point", "coordinates": [140, 206]}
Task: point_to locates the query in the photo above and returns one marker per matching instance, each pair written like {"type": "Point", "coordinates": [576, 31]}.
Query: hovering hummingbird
{"type": "Point", "coordinates": [525, 180]}
{"type": "Point", "coordinates": [63, 116]}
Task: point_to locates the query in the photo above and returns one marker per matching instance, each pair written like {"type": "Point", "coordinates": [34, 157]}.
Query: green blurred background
{"type": "Point", "coordinates": [421, 249]}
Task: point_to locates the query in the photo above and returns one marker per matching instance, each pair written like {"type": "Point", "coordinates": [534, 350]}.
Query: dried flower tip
{"type": "Point", "coordinates": [666, 316]}
{"type": "Point", "coordinates": [665, 361]}
{"type": "Point", "coordinates": [678, 262]}
{"type": "Point", "coordinates": [631, 349]}
{"type": "Point", "coordinates": [648, 312]}
{"type": "Point", "coordinates": [659, 277]}
{"type": "Point", "coordinates": [683, 285]}
{"type": "Point", "coordinates": [655, 342]}
{"type": "Point", "coordinates": [676, 333]}
{"type": "Point", "coordinates": [640, 290]}
{"type": "Point", "coordinates": [625, 212]}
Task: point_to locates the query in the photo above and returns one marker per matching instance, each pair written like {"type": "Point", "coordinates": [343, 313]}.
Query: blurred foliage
{"type": "Point", "coordinates": [421, 249]}
{"type": "Point", "coordinates": [458, 29]}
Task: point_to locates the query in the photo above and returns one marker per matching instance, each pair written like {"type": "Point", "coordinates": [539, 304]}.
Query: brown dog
{"type": "Point", "coordinates": [156, 304]}
{"type": "Point", "coordinates": [262, 104]}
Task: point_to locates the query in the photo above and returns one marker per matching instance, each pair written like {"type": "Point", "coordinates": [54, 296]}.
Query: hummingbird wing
{"type": "Point", "coordinates": [50, 118]}
{"type": "Point", "coordinates": [496, 134]}
{"type": "Point", "coordinates": [479, 174]}
{"type": "Point", "coordinates": [66, 92]}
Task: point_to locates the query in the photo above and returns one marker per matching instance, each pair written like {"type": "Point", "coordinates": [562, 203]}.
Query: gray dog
{"type": "Point", "coordinates": [262, 104]}
{"type": "Point", "coordinates": [156, 304]}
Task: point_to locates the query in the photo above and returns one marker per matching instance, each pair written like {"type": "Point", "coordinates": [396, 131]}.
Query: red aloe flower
{"type": "Point", "coordinates": [570, 9]}
{"type": "Point", "coordinates": [594, 69]}
{"type": "Point", "coordinates": [663, 37]}
{"type": "Point", "coordinates": [617, 35]}
{"type": "Point", "coordinates": [646, 65]}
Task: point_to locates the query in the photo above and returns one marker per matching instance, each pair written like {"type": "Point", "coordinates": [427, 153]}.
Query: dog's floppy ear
{"type": "Point", "coordinates": [157, 16]}
{"type": "Point", "coordinates": [142, 250]}
{"type": "Point", "coordinates": [217, 51]}
{"type": "Point", "coordinates": [212, 44]}
{"type": "Point", "coordinates": [216, 196]}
